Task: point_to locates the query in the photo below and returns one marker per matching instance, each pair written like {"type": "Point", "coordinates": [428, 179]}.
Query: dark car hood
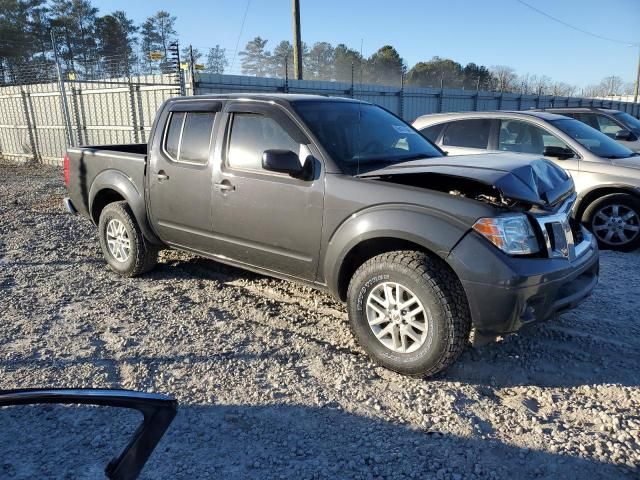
{"type": "Point", "coordinates": [525, 178]}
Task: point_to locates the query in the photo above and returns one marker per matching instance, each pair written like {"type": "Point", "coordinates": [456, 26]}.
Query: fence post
{"type": "Point", "coordinates": [440, 100]}
{"type": "Point", "coordinates": [286, 74]}
{"type": "Point", "coordinates": [75, 93]}
{"type": "Point", "coordinates": [63, 93]}
{"type": "Point", "coordinates": [30, 125]}
{"type": "Point", "coordinates": [140, 113]}
{"type": "Point", "coordinates": [352, 75]}
{"type": "Point", "coordinates": [500, 101]}
{"type": "Point", "coordinates": [401, 96]}
{"type": "Point", "coordinates": [133, 114]}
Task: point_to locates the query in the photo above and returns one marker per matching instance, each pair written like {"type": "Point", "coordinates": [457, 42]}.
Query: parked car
{"type": "Point", "coordinates": [606, 174]}
{"type": "Point", "coordinates": [620, 126]}
{"type": "Point", "coordinates": [345, 196]}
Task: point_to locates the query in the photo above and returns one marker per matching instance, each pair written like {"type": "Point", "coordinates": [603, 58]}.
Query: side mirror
{"type": "Point", "coordinates": [560, 153]}
{"type": "Point", "coordinates": [624, 135]}
{"type": "Point", "coordinates": [283, 161]}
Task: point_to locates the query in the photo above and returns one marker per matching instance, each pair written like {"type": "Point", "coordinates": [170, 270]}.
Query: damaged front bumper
{"type": "Point", "coordinates": [505, 293]}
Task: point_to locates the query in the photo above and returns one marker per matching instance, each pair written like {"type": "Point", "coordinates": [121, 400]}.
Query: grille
{"type": "Point", "coordinates": [561, 235]}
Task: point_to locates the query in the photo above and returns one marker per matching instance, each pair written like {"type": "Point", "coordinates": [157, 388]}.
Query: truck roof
{"type": "Point", "coordinates": [274, 97]}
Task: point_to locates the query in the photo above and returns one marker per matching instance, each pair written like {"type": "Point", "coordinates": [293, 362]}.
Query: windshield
{"type": "Point", "coordinates": [631, 122]}
{"type": "Point", "coordinates": [362, 137]}
{"type": "Point", "coordinates": [593, 140]}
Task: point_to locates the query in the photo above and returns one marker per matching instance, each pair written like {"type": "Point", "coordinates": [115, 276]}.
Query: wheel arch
{"type": "Point", "coordinates": [375, 232]}
{"type": "Point", "coordinates": [587, 198]}
{"type": "Point", "coordinates": [113, 186]}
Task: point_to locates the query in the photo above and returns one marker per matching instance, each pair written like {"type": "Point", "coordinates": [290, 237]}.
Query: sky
{"type": "Point", "coordinates": [487, 32]}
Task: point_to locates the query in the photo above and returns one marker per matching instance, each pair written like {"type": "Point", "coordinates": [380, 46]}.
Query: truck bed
{"type": "Point", "coordinates": [97, 166]}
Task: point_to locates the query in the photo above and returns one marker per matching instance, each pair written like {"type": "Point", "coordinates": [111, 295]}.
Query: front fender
{"type": "Point", "coordinates": [433, 230]}
{"type": "Point", "coordinates": [119, 182]}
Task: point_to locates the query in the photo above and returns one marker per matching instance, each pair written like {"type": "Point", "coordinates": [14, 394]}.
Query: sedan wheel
{"type": "Point", "coordinates": [615, 221]}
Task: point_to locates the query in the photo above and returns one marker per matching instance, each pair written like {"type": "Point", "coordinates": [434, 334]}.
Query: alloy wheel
{"type": "Point", "coordinates": [397, 317]}
{"type": "Point", "coordinates": [118, 240]}
{"type": "Point", "coordinates": [616, 224]}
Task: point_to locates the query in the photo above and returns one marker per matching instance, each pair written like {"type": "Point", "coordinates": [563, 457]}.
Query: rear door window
{"type": "Point", "coordinates": [188, 137]}
{"type": "Point", "coordinates": [468, 133]}
{"type": "Point", "coordinates": [433, 132]}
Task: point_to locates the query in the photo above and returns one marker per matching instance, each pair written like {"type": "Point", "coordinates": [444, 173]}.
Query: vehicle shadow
{"type": "Point", "coordinates": [271, 441]}
{"type": "Point", "coordinates": [546, 355]}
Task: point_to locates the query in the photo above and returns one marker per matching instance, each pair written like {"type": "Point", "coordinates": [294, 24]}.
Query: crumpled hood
{"type": "Point", "coordinates": [525, 178]}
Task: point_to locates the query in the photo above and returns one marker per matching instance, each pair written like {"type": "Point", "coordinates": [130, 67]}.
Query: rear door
{"type": "Point", "coordinates": [261, 218]}
{"type": "Point", "coordinates": [180, 174]}
{"type": "Point", "coordinates": [468, 137]}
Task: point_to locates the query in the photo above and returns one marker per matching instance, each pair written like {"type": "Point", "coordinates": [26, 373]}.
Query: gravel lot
{"type": "Point", "coordinates": [270, 382]}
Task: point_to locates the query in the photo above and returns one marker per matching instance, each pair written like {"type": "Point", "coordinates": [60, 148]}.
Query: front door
{"type": "Point", "coordinates": [525, 137]}
{"type": "Point", "coordinates": [181, 174]}
{"type": "Point", "coordinates": [261, 218]}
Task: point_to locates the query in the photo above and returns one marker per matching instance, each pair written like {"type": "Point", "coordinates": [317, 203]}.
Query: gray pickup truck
{"type": "Point", "coordinates": [345, 196]}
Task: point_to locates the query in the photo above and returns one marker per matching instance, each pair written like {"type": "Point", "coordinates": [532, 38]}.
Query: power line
{"type": "Point", "coordinates": [246, 10]}
{"type": "Point", "coordinates": [578, 29]}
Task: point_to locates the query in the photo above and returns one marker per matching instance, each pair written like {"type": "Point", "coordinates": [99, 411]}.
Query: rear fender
{"type": "Point", "coordinates": [119, 182]}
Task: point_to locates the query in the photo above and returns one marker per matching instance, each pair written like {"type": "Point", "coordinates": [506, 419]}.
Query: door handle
{"type": "Point", "coordinates": [224, 186]}
{"type": "Point", "coordinates": [161, 176]}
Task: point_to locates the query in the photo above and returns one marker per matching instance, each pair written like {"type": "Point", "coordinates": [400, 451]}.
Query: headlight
{"type": "Point", "coordinates": [512, 234]}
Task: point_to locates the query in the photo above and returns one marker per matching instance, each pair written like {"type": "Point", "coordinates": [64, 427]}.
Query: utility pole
{"type": "Point", "coordinates": [635, 94]}
{"type": "Point", "coordinates": [297, 42]}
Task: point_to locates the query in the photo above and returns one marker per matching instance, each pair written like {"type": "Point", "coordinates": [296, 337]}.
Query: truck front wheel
{"type": "Point", "coordinates": [409, 312]}
{"type": "Point", "coordinates": [123, 246]}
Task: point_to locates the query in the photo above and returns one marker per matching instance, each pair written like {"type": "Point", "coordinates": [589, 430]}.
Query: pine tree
{"type": "Point", "coordinates": [115, 38]}
{"type": "Point", "coordinates": [256, 60]}
{"type": "Point", "coordinates": [282, 58]}
{"type": "Point", "coordinates": [320, 62]}
{"type": "Point", "coordinates": [216, 60]}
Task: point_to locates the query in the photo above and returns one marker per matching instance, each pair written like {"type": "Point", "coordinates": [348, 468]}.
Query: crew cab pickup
{"type": "Point", "coordinates": [345, 196]}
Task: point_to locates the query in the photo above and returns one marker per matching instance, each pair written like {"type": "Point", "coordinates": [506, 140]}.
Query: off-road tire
{"type": "Point", "coordinates": [143, 256]}
{"type": "Point", "coordinates": [623, 199]}
{"type": "Point", "coordinates": [439, 291]}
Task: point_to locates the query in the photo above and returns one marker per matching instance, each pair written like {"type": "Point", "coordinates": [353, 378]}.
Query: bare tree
{"type": "Point", "coordinates": [540, 85]}
{"type": "Point", "coordinates": [612, 85]}
{"type": "Point", "coordinates": [505, 77]}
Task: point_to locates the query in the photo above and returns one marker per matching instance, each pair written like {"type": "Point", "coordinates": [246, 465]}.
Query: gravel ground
{"type": "Point", "coordinates": [270, 382]}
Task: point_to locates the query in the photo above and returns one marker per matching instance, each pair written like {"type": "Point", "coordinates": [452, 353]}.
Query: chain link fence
{"type": "Point", "coordinates": [52, 105]}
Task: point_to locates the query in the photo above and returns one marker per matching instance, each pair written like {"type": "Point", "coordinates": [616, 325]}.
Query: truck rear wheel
{"type": "Point", "coordinates": [409, 312]}
{"type": "Point", "coordinates": [123, 246]}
